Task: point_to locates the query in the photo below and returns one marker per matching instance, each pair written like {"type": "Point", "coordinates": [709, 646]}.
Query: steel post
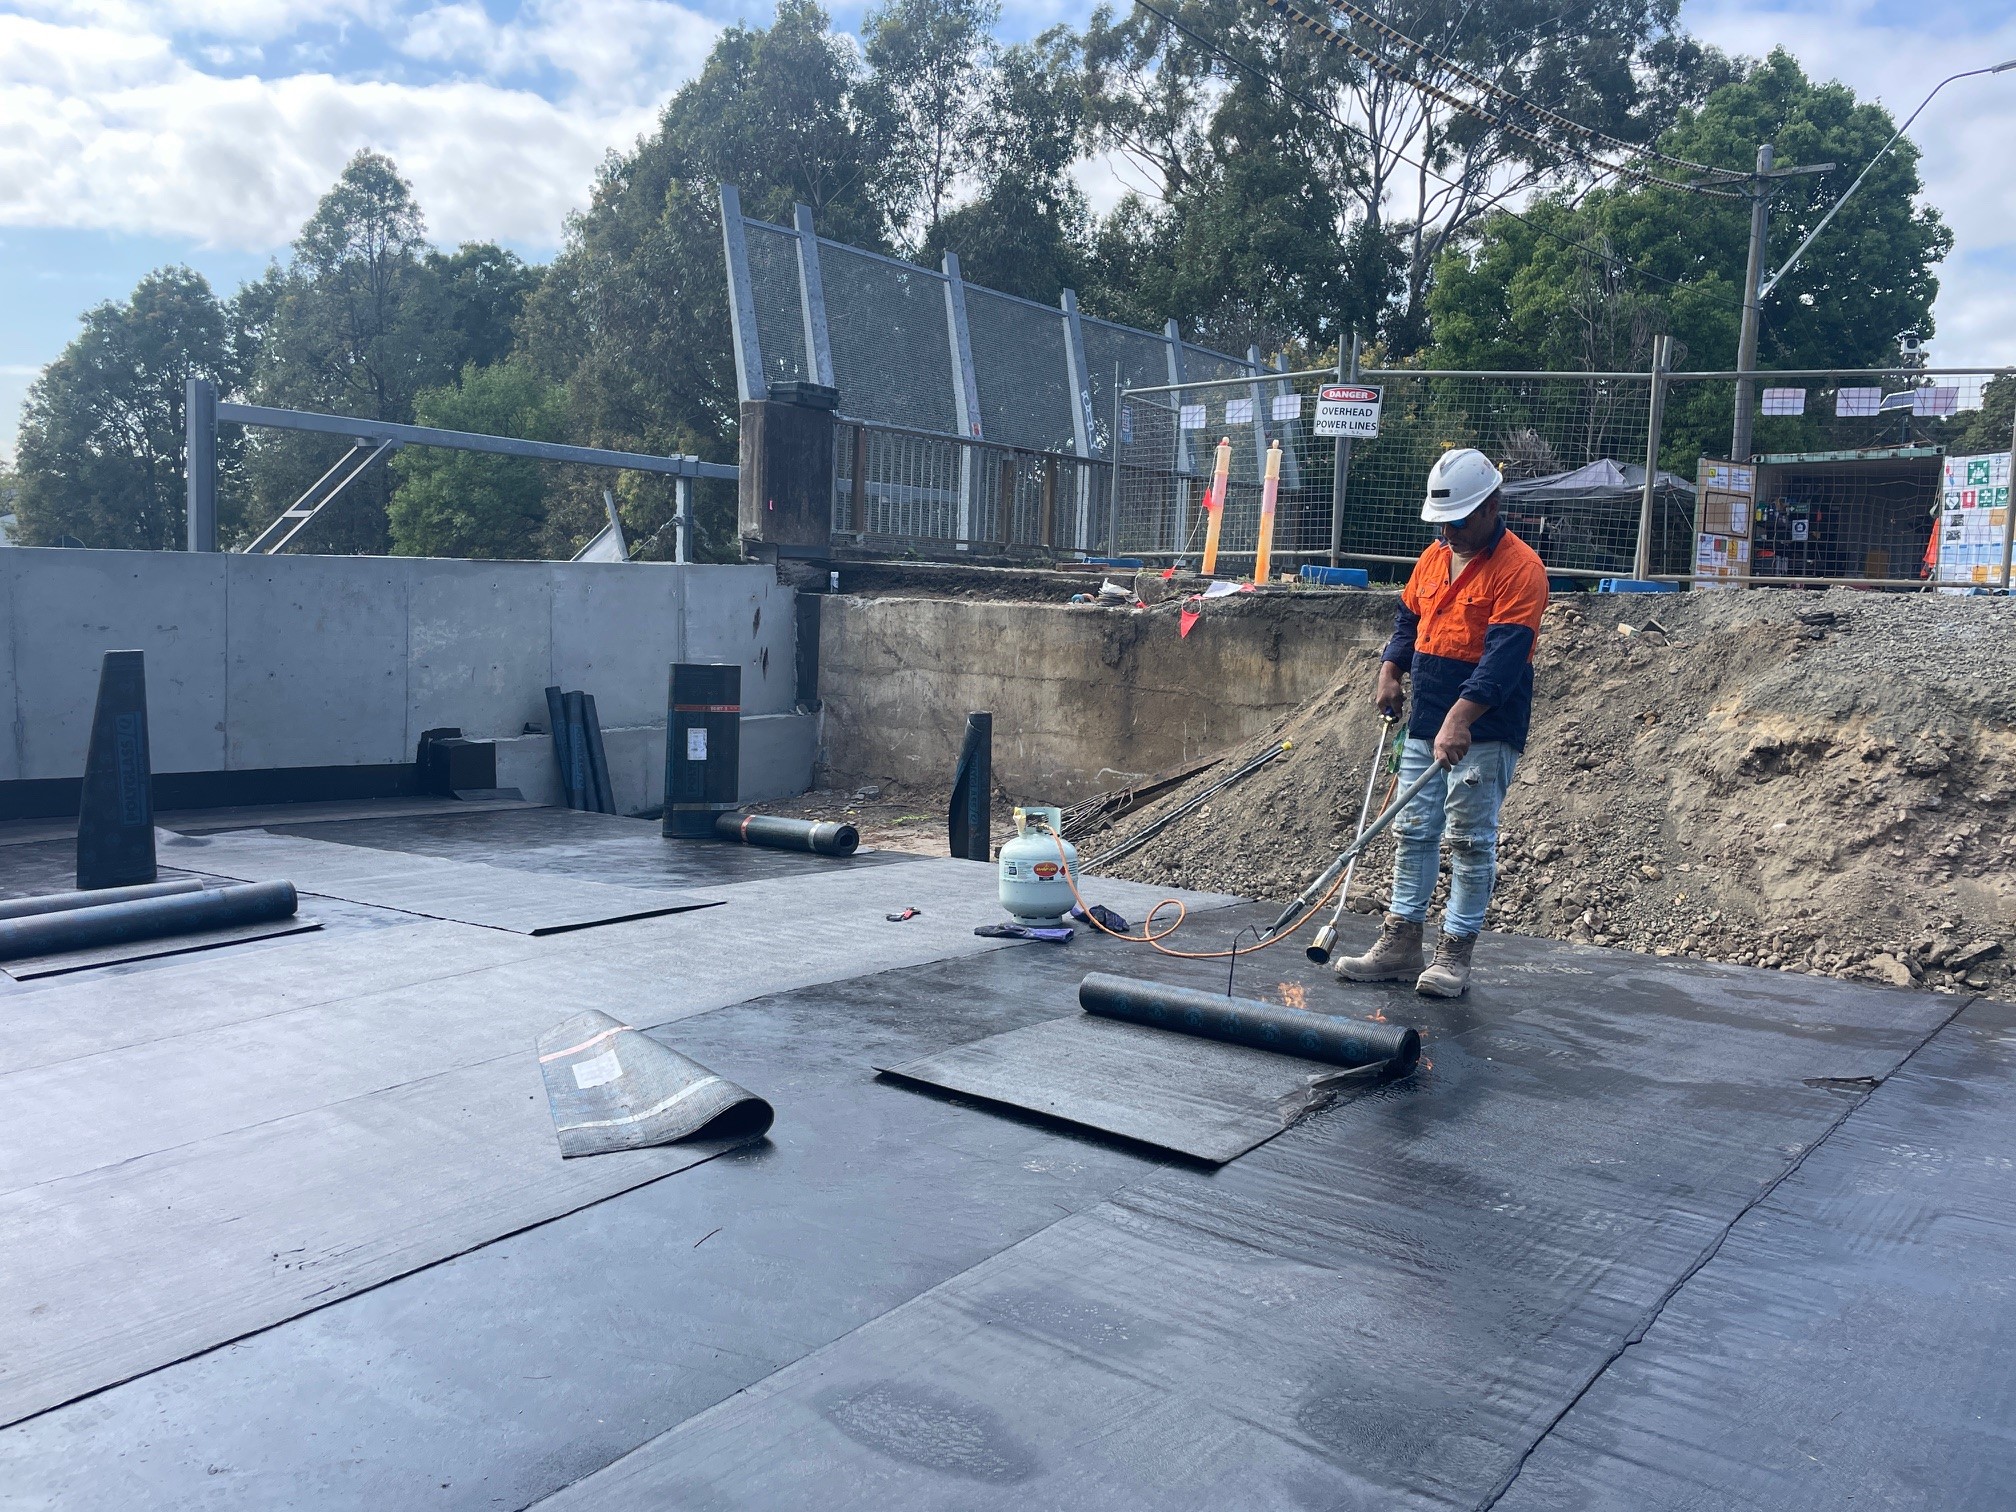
{"type": "Point", "coordinates": [1340, 479]}
{"type": "Point", "coordinates": [1655, 422]}
{"type": "Point", "coordinates": [200, 428]}
{"type": "Point", "coordinates": [1746, 344]}
{"type": "Point", "coordinates": [2009, 513]}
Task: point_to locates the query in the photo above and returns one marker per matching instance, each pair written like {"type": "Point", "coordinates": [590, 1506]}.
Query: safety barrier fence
{"type": "Point", "coordinates": [1863, 477]}
{"type": "Point", "coordinates": [897, 489]}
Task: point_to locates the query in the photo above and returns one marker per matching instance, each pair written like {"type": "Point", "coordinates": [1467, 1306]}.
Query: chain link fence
{"type": "Point", "coordinates": [1850, 479]}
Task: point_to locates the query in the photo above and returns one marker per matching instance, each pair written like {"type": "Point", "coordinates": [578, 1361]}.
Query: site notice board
{"type": "Point", "coordinates": [1727, 494]}
{"type": "Point", "coordinates": [1974, 513]}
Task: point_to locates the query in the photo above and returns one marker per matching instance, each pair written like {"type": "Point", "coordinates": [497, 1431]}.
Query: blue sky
{"type": "Point", "coordinates": [140, 132]}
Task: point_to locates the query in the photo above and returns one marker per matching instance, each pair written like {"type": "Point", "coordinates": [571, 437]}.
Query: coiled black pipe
{"type": "Point", "coordinates": [62, 902]}
{"type": "Point", "coordinates": [146, 919]}
{"type": "Point", "coordinates": [1244, 1021]}
{"type": "Point", "coordinates": [821, 837]}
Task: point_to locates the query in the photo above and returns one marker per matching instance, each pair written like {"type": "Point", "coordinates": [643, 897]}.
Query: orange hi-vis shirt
{"type": "Point", "coordinates": [1472, 638]}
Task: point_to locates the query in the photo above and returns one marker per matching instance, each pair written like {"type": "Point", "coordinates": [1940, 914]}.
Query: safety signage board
{"type": "Point", "coordinates": [1347, 410]}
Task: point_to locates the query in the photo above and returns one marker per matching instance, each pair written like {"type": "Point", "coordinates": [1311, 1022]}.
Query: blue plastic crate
{"type": "Point", "coordinates": [1634, 585]}
{"type": "Point", "coordinates": [1134, 562]}
{"type": "Point", "coordinates": [1338, 577]}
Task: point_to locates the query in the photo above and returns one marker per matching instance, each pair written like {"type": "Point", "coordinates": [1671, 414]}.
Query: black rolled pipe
{"type": "Point", "coordinates": [146, 919]}
{"type": "Point", "coordinates": [62, 902]}
{"type": "Point", "coordinates": [1245, 1021]}
{"type": "Point", "coordinates": [822, 838]}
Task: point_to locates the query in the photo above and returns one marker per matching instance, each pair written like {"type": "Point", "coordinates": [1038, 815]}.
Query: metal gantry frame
{"type": "Point", "coordinates": [375, 440]}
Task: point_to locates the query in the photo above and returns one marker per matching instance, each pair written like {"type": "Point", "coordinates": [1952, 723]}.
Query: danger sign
{"type": "Point", "coordinates": [1347, 410]}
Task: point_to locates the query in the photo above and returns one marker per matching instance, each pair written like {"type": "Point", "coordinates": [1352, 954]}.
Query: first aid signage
{"type": "Point", "coordinates": [1345, 409]}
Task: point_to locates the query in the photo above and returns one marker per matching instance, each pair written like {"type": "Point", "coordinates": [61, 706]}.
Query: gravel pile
{"type": "Point", "coordinates": [1818, 782]}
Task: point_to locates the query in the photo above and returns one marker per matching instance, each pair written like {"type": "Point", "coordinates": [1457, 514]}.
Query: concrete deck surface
{"type": "Point", "coordinates": [1614, 1246]}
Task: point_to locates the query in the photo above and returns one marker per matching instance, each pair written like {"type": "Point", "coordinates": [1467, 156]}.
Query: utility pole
{"type": "Point", "coordinates": [1762, 183]}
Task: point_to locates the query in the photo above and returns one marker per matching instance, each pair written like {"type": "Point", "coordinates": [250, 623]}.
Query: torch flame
{"type": "Point", "coordinates": [1294, 994]}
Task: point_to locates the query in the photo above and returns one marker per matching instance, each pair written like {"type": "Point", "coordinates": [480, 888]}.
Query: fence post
{"type": "Point", "coordinates": [965, 390]}
{"type": "Point", "coordinates": [199, 419]}
{"type": "Point", "coordinates": [1655, 423]}
{"type": "Point", "coordinates": [812, 298]}
{"type": "Point", "coordinates": [1340, 481]}
{"type": "Point", "coordinates": [749, 380]}
{"type": "Point", "coordinates": [1080, 378]}
{"type": "Point", "coordinates": [1179, 524]}
{"type": "Point", "coordinates": [1113, 471]}
{"type": "Point", "coordinates": [2008, 512]}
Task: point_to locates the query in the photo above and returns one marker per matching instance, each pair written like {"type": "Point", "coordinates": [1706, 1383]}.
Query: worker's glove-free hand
{"type": "Point", "coordinates": [1391, 694]}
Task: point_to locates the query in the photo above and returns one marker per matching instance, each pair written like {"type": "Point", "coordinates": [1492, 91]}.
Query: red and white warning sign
{"type": "Point", "coordinates": [1348, 409]}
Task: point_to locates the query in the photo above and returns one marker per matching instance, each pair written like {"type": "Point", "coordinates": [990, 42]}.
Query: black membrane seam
{"type": "Point", "coordinates": [1653, 1315]}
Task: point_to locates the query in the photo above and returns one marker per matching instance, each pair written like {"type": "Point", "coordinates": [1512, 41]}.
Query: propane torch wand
{"type": "Point", "coordinates": [1351, 852]}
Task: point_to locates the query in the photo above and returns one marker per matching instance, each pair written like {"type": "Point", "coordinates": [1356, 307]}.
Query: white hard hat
{"type": "Point", "coordinates": [1457, 483]}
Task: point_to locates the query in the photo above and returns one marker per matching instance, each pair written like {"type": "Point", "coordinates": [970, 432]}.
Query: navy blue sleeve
{"type": "Point", "coordinates": [1507, 648]}
{"type": "Point", "coordinates": [1400, 649]}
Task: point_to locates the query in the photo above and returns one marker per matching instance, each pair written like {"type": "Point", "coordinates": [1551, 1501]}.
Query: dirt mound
{"type": "Point", "coordinates": [1810, 781]}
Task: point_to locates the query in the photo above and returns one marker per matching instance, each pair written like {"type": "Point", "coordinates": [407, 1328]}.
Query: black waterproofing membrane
{"type": "Point", "coordinates": [1200, 1073]}
{"type": "Point", "coordinates": [596, 847]}
{"type": "Point", "coordinates": [120, 953]}
{"type": "Point", "coordinates": [1850, 1345]}
{"type": "Point", "coordinates": [1388, 1305]}
{"type": "Point", "coordinates": [115, 807]}
{"type": "Point", "coordinates": [613, 1088]}
{"type": "Point", "coordinates": [1198, 1097]}
{"type": "Point", "coordinates": [142, 919]}
{"type": "Point", "coordinates": [464, 892]}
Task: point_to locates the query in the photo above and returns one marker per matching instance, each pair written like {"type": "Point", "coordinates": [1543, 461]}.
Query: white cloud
{"type": "Point", "coordinates": [108, 127]}
{"type": "Point", "coordinates": [1896, 54]}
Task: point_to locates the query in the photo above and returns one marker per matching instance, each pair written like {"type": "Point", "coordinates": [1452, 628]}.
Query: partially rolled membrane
{"type": "Point", "coordinates": [613, 1088]}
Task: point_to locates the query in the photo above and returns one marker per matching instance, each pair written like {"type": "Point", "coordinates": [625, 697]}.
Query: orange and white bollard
{"type": "Point", "coordinates": [1270, 491]}
{"type": "Point", "coordinates": [1214, 506]}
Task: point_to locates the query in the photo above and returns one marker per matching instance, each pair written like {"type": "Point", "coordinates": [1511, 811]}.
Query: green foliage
{"type": "Point", "coordinates": [633, 315]}
{"type": "Point", "coordinates": [1991, 428]}
{"type": "Point", "coordinates": [364, 317]}
{"type": "Point", "coordinates": [926, 98]}
{"type": "Point", "coordinates": [102, 439]}
{"type": "Point", "coordinates": [1304, 209]}
{"type": "Point", "coordinates": [1025, 230]}
{"type": "Point", "coordinates": [1587, 283]}
{"type": "Point", "coordinates": [465, 504]}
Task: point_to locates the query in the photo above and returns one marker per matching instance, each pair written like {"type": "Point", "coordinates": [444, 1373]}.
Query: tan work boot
{"type": "Point", "coordinates": [1394, 956]}
{"type": "Point", "coordinates": [1449, 973]}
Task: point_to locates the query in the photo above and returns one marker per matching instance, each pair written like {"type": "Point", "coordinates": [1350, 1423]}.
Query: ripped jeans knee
{"type": "Point", "coordinates": [1462, 815]}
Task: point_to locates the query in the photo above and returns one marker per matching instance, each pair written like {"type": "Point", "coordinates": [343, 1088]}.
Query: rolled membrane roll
{"type": "Point", "coordinates": [1245, 1021]}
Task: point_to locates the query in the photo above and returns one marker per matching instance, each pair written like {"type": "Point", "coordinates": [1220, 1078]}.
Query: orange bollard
{"type": "Point", "coordinates": [1270, 491]}
{"type": "Point", "coordinates": [1214, 506]}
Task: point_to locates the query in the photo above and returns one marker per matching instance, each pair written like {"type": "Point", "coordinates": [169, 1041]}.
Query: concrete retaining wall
{"type": "Point", "coordinates": [1084, 698]}
{"type": "Point", "coordinates": [298, 661]}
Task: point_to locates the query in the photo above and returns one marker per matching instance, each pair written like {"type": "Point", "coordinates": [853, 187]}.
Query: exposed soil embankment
{"type": "Point", "coordinates": [1808, 781]}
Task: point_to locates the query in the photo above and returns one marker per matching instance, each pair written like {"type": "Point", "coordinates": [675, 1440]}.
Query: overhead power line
{"type": "Point", "coordinates": [1514, 101]}
{"type": "Point", "coordinates": [1332, 38]}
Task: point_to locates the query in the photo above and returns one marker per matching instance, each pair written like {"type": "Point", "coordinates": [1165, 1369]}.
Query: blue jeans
{"type": "Point", "coordinates": [1468, 817]}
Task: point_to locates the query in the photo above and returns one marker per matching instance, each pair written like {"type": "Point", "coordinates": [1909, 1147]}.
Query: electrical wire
{"type": "Point", "coordinates": [1478, 81]}
{"type": "Point", "coordinates": [1331, 37]}
{"type": "Point", "coordinates": [1732, 299]}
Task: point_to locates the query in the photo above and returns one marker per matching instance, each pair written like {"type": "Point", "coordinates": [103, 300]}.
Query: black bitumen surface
{"type": "Point", "coordinates": [1614, 1244]}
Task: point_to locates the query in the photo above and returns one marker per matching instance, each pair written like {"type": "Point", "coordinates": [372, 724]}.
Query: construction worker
{"type": "Point", "coordinates": [1464, 633]}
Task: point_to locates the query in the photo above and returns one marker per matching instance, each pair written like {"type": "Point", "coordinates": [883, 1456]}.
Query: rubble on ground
{"type": "Point", "coordinates": [1805, 781]}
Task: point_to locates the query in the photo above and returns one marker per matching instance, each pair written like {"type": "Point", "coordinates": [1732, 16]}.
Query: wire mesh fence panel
{"type": "Point", "coordinates": [775, 282]}
{"type": "Point", "coordinates": [1572, 448]}
{"type": "Point", "coordinates": [1138, 359]}
{"type": "Point", "coordinates": [1022, 368]}
{"type": "Point", "coordinates": [887, 328]}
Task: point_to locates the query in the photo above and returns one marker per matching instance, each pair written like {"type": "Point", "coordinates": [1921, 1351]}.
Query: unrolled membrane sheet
{"type": "Point", "coordinates": [127, 1267]}
{"type": "Point", "coordinates": [1198, 1097]}
{"type": "Point", "coordinates": [462, 892]}
{"type": "Point", "coordinates": [613, 1088]}
{"type": "Point", "coordinates": [30, 968]}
